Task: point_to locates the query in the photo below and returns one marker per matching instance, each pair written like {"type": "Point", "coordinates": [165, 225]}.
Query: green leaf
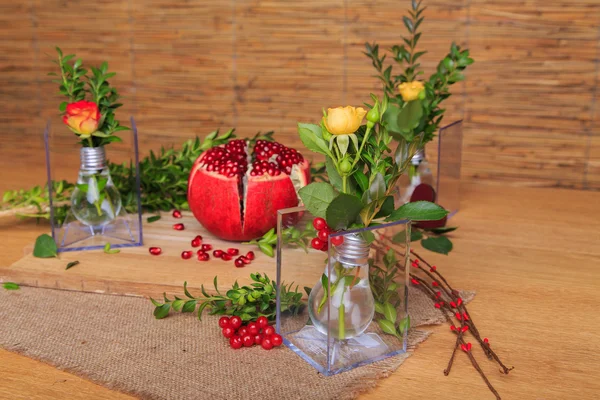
{"type": "Point", "coordinates": [316, 197]}
{"type": "Point", "coordinates": [189, 306]}
{"type": "Point", "coordinates": [186, 291]}
{"type": "Point", "coordinates": [408, 23]}
{"type": "Point", "coordinates": [311, 140]}
{"type": "Point", "coordinates": [389, 259]}
{"type": "Point", "coordinates": [387, 326]}
{"type": "Point", "coordinates": [334, 178]}
{"type": "Point", "coordinates": [400, 237]}
{"type": "Point", "coordinates": [178, 305]}
{"type": "Point", "coordinates": [63, 106]}
{"type": "Point", "coordinates": [377, 189]}
{"type": "Point", "coordinates": [10, 286]}
{"type": "Point", "coordinates": [387, 208]}
{"type": "Point", "coordinates": [156, 303]}
{"type": "Point", "coordinates": [45, 247]}
{"type": "Point", "coordinates": [442, 230]}
{"type": "Point", "coordinates": [72, 264]}
{"type": "Point", "coordinates": [437, 244]}
{"type": "Point", "coordinates": [343, 211]}
{"type": "Point", "coordinates": [409, 118]}
{"type": "Point", "coordinates": [266, 249]}
{"type": "Point", "coordinates": [153, 218]}
{"type": "Point", "coordinates": [108, 250]}
{"type": "Point", "coordinates": [362, 180]}
{"type": "Point", "coordinates": [418, 211]}
{"type": "Point", "coordinates": [162, 311]}
{"type": "Point", "coordinates": [389, 311]}
{"type": "Point", "coordinates": [379, 308]}
{"type": "Point", "coordinates": [404, 324]}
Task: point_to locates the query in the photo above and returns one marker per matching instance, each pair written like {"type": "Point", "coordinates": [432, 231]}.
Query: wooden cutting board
{"type": "Point", "coordinates": [134, 272]}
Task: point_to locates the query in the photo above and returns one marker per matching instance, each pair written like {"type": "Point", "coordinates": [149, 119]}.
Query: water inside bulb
{"type": "Point", "coordinates": [350, 308]}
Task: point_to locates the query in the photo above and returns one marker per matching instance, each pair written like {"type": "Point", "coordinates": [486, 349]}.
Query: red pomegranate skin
{"type": "Point", "coordinates": [214, 199]}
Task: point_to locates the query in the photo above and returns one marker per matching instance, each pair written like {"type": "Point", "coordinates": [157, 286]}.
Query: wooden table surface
{"type": "Point", "coordinates": [531, 255]}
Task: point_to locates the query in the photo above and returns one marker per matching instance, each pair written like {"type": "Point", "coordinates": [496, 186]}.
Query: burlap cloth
{"type": "Point", "coordinates": [115, 341]}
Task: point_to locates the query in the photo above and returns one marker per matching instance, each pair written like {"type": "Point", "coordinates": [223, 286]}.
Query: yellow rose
{"type": "Point", "coordinates": [344, 120]}
{"type": "Point", "coordinates": [410, 90]}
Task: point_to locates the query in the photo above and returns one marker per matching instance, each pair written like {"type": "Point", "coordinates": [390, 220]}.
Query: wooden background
{"type": "Point", "coordinates": [187, 67]}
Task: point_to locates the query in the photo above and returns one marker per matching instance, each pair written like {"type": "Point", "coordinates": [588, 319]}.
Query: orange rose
{"type": "Point", "coordinates": [83, 117]}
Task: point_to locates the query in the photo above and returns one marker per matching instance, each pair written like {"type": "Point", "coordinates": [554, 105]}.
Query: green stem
{"type": "Point", "coordinates": [110, 204]}
{"type": "Point", "coordinates": [362, 145]}
{"type": "Point", "coordinates": [91, 142]}
{"type": "Point", "coordinates": [344, 184]}
{"type": "Point", "coordinates": [341, 320]}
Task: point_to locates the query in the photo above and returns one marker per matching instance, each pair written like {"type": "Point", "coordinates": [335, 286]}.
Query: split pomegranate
{"type": "Point", "coordinates": [234, 191]}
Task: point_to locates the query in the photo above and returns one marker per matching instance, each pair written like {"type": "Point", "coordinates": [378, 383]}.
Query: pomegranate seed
{"type": "Point", "coordinates": [248, 340]}
{"type": "Point", "coordinates": [236, 342]}
{"type": "Point", "coordinates": [262, 322]}
{"type": "Point", "coordinates": [224, 322]}
{"type": "Point", "coordinates": [176, 214]}
{"type": "Point", "coordinates": [250, 255]}
{"type": "Point", "coordinates": [179, 227]}
{"type": "Point", "coordinates": [206, 247]}
{"type": "Point", "coordinates": [244, 259]}
{"type": "Point", "coordinates": [186, 255]}
{"type": "Point", "coordinates": [218, 253]}
{"type": "Point", "coordinates": [239, 262]}
{"type": "Point", "coordinates": [155, 251]}
{"type": "Point", "coordinates": [338, 240]}
{"type": "Point", "coordinates": [276, 339]}
{"type": "Point", "coordinates": [196, 242]}
{"type": "Point", "coordinates": [267, 343]}
{"type": "Point", "coordinates": [203, 257]}
{"type": "Point", "coordinates": [319, 223]}
{"type": "Point", "coordinates": [226, 257]}
{"type": "Point", "coordinates": [235, 322]}
{"type": "Point", "coordinates": [228, 332]}
{"type": "Point", "coordinates": [232, 251]}
{"type": "Point", "coordinates": [317, 243]}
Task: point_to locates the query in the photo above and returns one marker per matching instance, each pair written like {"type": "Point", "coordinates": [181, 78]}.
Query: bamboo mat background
{"type": "Point", "coordinates": [188, 67]}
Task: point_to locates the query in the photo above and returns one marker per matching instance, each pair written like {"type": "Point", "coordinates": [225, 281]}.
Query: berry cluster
{"type": "Point", "coordinates": [259, 333]}
{"type": "Point", "coordinates": [323, 232]}
{"type": "Point", "coordinates": [202, 252]}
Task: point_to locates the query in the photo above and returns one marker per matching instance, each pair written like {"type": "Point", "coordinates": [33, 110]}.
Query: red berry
{"type": "Point", "coordinates": [218, 253]}
{"type": "Point", "coordinates": [268, 331]}
{"type": "Point", "coordinates": [224, 322]}
{"type": "Point", "coordinates": [325, 246]}
{"type": "Point", "coordinates": [317, 244]}
{"type": "Point", "coordinates": [262, 322]}
{"type": "Point", "coordinates": [258, 338]}
{"type": "Point", "coordinates": [236, 342]}
{"type": "Point", "coordinates": [242, 331]}
{"type": "Point", "coordinates": [226, 257]}
{"type": "Point", "coordinates": [155, 251]}
{"type": "Point", "coordinates": [232, 251]}
{"type": "Point", "coordinates": [486, 340]}
{"type": "Point", "coordinates": [178, 227]}
{"type": "Point", "coordinates": [319, 223]}
{"type": "Point", "coordinates": [267, 343]}
{"type": "Point", "coordinates": [207, 247]}
{"type": "Point", "coordinates": [323, 235]}
{"type": "Point", "coordinates": [250, 255]}
{"type": "Point", "coordinates": [248, 340]}
{"type": "Point", "coordinates": [176, 214]}
{"type": "Point", "coordinates": [253, 328]}
{"type": "Point", "coordinates": [338, 240]}
{"type": "Point", "coordinates": [228, 332]}
{"type": "Point", "coordinates": [276, 339]}
{"type": "Point", "coordinates": [186, 255]}
{"type": "Point", "coordinates": [235, 322]}
{"type": "Point", "coordinates": [197, 241]}
{"type": "Point", "coordinates": [203, 257]}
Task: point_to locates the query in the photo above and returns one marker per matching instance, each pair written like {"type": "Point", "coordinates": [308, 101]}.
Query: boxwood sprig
{"type": "Point", "coordinates": [247, 302]}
